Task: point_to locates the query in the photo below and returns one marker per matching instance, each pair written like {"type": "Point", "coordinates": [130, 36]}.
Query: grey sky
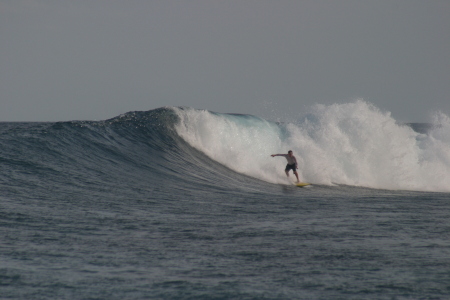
{"type": "Point", "coordinates": [95, 59]}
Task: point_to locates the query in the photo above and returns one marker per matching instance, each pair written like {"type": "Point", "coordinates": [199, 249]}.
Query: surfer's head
{"type": "Point", "coordinates": [290, 152]}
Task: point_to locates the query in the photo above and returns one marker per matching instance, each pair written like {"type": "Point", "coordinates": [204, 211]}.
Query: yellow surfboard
{"type": "Point", "coordinates": [302, 184]}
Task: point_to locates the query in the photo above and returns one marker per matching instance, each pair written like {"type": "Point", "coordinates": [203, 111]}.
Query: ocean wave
{"type": "Point", "coordinates": [352, 144]}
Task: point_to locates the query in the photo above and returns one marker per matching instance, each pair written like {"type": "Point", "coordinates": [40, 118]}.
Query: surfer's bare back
{"type": "Point", "coordinates": [291, 165]}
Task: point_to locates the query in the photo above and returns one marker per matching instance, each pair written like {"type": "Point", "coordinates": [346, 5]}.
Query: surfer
{"type": "Point", "coordinates": [291, 165]}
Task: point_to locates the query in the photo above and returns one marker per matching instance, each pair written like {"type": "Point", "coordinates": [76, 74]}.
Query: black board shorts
{"type": "Point", "coordinates": [290, 167]}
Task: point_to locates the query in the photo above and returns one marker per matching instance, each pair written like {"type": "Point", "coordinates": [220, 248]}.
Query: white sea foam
{"type": "Point", "coordinates": [353, 143]}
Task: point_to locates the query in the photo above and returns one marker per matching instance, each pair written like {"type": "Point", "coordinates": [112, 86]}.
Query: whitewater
{"type": "Point", "coordinates": [184, 203]}
{"type": "Point", "coordinates": [354, 144]}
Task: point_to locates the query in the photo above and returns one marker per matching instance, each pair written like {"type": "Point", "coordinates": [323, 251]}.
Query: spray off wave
{"type": "Point", "coordinates": [353, 144]}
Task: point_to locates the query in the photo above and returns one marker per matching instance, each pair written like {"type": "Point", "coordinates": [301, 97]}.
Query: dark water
{"type": "Point", "coordinates": [126, 209]}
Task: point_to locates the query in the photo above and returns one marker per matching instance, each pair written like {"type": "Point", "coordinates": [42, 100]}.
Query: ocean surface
{"type": "Point", "coordinates": [181, 203]}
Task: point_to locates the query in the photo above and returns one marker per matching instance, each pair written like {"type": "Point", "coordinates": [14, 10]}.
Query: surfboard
{"type": "Point", "coordinates": [302, 184]}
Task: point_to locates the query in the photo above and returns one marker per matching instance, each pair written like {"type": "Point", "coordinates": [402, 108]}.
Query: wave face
{"type": "Point", "coordinates": [352, 144]}
{"type": "Point", "coordinates": [187, 149]}
{"type": "Point", "coordinates": [134, 153]}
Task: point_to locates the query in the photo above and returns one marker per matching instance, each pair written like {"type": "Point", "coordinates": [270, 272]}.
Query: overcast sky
{"type": "Point", "coordinates": [95, 59]}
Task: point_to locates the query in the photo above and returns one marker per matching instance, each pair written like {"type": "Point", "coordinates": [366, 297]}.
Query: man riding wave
{"type": "Point", "coordinates": [291, 165]}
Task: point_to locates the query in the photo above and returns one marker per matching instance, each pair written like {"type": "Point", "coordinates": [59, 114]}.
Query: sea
{"type": "Point", "coordinates": [184, 203]}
